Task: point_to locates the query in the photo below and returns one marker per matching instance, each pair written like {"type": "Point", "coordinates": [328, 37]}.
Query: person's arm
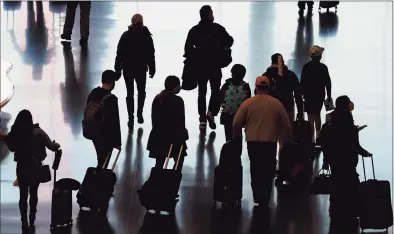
{"type": "Point", "coordinates": [182, 120]}
{"type": "Point", "coordinates": [284, 123]}
{"type": "Point", "coordinates": [151, 57]}
{"type": "Point", "coordinates": [328, 83]}
{"type": "Point", "coordinates": [240, 120]}
{"type": "Point", "coordinates": [223, 93]}
{"type": "Point", "coordinates": [120, 53]}
{"type": "Point", "coordinates": [248, 92]}
{"type": "Point", "coordinates": [297, 93]}
{"type": "Point", "coordinates": [8, 139]}
{"type": "Point", "coordinates": [189, 44]}
{"type": "Point", "coordinates": [224, 37]}
{"type": "Point", "coordinates": [360, 150]}
{"type": "Point", "coordinates": [117, 137]}
{"type": "Point", "coordinates": [51, 145]}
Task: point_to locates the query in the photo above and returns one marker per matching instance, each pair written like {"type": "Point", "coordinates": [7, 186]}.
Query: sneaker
{"type": "Point", "coordinates": [66, 37]}
{"type": "Point", "coordinates": [203, 125]}
{"type": "Point", "coordinates": [211, 120]}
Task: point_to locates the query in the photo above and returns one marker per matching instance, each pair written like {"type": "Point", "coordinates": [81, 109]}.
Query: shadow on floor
{"type": "Point", "coordinates": [158, 224]}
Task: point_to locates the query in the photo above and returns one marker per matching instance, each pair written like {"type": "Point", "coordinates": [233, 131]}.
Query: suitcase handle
{"type": "Point", "coordinates": [116, 160]}
{"type": "Point", "coordinates": [168, 157]}
{"type": "Point", "coordinates": [108, 157]}
{"type": "Point", "coordinates": [373, 169]}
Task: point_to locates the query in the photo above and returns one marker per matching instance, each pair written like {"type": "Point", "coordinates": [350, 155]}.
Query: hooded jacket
{"type": "Point", "coordinates": [136, 52]}
{"type": "Point", "coordinates": [286, 88]}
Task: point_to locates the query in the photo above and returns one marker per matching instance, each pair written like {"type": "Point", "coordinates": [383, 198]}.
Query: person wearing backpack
{"type": "Point", "coordinates": [101, 118]}
{"type": "Point", "coordinates": [234, 92]}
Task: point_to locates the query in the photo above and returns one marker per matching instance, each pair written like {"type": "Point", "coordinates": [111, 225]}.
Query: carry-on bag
{"type": "Point", "coordinates": [322, 183]}
{"type": "Point", "coordinates": [376, 210]}
{"type": "Point", "coordinates": [160, 191]}
{"type": "Point", "coordinates": [230, 154]}
{"type": "Point", "coordinates": [227, 185]}
{"type": "Point", "coordinates": [61, 207]}
{"type": "Point", "coordinates": [97, 187]}
{"type": "Point", "coordinates": [302, 132]}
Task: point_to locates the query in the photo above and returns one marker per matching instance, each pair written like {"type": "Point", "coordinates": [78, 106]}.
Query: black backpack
{"type": "Point", "coordinates": [93, 118]}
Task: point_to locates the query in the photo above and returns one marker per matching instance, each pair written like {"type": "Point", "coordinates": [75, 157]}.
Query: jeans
{"type": "Point", "coordinates": [140, 80]}
{"type": "Point", "coordinates": [103, 151]}
{"type": "Point", "coordinates": [26, 187]}
{"type": "Point", "coordinates": [214, 105]}
{"type": "Point", "coordinates": [262, 156]}
{"type": "Point", "coordinates": [84, 18]}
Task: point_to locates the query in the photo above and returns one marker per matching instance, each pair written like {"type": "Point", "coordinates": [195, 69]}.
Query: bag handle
{"type": "Point", "coordinates": [373, 169]}
{"type": "Point", "coordinates": [328, 171]}
{"type": "Point", "coordinates": [108, 157]}
{"type": "Point", "coordinates": [168, 157]}
{"type": "Point", "coordinates": [179, 157]}
{"type": "Point", "coordinates": [116, 159]}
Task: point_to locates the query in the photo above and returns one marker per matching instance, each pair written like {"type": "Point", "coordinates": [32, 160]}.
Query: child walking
{"type": "Point", "coordinates": [233, 93]}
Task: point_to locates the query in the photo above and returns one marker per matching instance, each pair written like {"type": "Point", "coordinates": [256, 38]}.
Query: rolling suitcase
{"type": "Point", "coordinates": [97, 187]}
{"type": "Point", "coordinates": [228, 177]}
{"type": "Point", "coordinates": [376, 210]}
{"type": "Point", "coordinates": [61, 207]}
{"type": "Point", "coordinates": [328, 4]}
{"type": "Point", "coordinates": [160, 191]}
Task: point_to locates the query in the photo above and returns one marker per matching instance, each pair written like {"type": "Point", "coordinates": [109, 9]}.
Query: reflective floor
{"type": "Point", "coordinates": [54, 82]}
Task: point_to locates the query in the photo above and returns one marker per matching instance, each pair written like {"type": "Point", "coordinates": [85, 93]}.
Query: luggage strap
{"type": "Point", "coordinates": [373, 169]}
{"type": "Point", "coordinates": [168, 157]}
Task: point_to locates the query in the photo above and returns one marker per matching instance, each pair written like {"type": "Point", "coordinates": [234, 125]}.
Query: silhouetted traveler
{"type": "Point", "coordinates": [301, 5]}
{"type": "Point", "coordinates": [84, 21]}
{"type": "Point", "coordinates": [285, 86]}
{"type": "Point", "coordinates": [315, 80]}
{"type": "Point", "coordinates": [265, 120]}
{"type": "Point", "coordinates": [341, 147]}
{"type": "Point", "coordinates": [135, 55]}
{"type": "Point", "coordinates": [28, 142]}
{"type": "Point", "coordinates": [203, 45]}
{"type": "Point", "coordinates": [168, 124]}
{"type": "Point", "coordinates": [233, 93]}
{"type": "Point", "coordinates": [103, 106]}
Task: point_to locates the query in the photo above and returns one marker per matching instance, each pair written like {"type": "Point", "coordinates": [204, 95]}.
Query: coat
{"type": "Point", "coordinates": [168, 125]}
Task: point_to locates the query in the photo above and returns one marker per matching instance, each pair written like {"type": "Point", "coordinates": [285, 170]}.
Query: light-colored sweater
{"type": "Point", "coordinates": [264, 118]}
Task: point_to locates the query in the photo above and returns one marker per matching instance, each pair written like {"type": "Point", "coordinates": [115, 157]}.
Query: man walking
{"type": "Point", "coordinates": [84, 21]}
{"type": "Point", "coordinates": [135, 55]}
{"type": "Point", "coordinates": [265, 120]}
{"type": "Point", "coordinates": [203, 46]}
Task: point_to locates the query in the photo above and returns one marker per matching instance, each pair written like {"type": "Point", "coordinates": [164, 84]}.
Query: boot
{"type": "Point", "coordinates": [25, 225]}
{"type": "Point", "coordinates": [141, 102]}
{"type": "Point", "coordinates": [130, 111]}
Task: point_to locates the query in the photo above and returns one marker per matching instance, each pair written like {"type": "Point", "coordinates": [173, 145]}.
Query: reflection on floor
{"type": "Point", "coordinates": [53, 82]}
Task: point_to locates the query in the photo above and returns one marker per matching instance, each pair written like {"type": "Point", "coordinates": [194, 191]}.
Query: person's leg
{"type": "Point", "coordinates": [84, 20]}
{"type": "Point", "coordinates": [256, 173]}
{"type": "Point", "coordinates": [267, 166]}
{"type": "Point", "coordinates": [23, 195]}
{"type": "Point", "coordinates": [69, 22]}
{"type": "Point", "coordinates": [100, 153]}
{"type": "Point", "coordinates": [33, 192]}
{"type": "Point", "coordinates": [310, 5]}
{"type": "Point", "coordinates": [228, 131]}
{"type": "Point", "coordinates": [129, 80]}
{"type": "Point", "coordinates": [317, 124]}
{"type": "Point", "coordinates": [311, 120]}
{"type": "Point", "coordinates": [140, 79]}
{"type": "Point", "coordinates": [214, 104]}
{"type": "Point", "coordinates": [160, 162]}
{"type": "Point", "coordinates": [202, 102]}
{"type": "Point", "coordinates": [301, 5]}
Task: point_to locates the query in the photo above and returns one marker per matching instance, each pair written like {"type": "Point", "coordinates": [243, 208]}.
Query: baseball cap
{"type": "Point", "coordinates": [262, 81]}
{"type": "Point", "coordinates": [316, 51]}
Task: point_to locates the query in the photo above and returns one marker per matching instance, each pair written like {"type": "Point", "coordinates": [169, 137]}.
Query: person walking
{"type": "Point", "coordinates": [84, 21]}
{"type": "Point", "coordinates": [266, 121]}
{"type": "Point", "coordinates": [135, 56]}
{"type": "Point", "coordinates": [101, 119]}
{"type": "Point", "coordinates": [28, 142]}
{"type": "Point", "coordinates": [315, 80]}
{"type": "Point", "coordinates": [204, 46]}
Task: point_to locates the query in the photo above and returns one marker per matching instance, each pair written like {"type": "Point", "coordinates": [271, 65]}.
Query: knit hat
{"type": "Point", "coordinates": [316, 51]}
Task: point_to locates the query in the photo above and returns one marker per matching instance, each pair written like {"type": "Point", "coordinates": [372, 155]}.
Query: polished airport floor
{"type": "Point", "coordinates": [53, 83]}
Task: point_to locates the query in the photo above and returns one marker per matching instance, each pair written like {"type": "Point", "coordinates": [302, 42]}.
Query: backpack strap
{"type": "Point", "coordinates": [105, 98]}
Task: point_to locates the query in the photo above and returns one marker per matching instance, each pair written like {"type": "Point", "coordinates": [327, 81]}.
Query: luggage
{"type": "Point", "coordinates": [302, 132]}
{"type": "Point", "coordinates": [61, 207]}
{"type": "Point", "coordinates": [376, 210]}
{"type": "Point", "coordinates": [328, 4]}
{"type": "Point", "coordinates": [322, 183]}
{"type": "Point", "coordinates": [97, 187]}
{"type": "Point", "coordinates": [160, 191]}
{"type": "Point", "coordinates": [189, 78]}
{"type": "Point", "coordinates": [228, 177]}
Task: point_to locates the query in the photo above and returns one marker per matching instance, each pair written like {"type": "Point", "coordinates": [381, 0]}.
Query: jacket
{"type": "Point", "coordinates": [168, 124]}
{"type": "Point", "coordinates": [287, 87]}
{"type": "Point", "coordinates": [226, 118]}
{"type": "Point", "coordinates": [135, 52]}
{"type": "Point", "coordinates": [314, 80]}
{"type": "Point", "coordinates": [36, 148]}
{"type": "Point", "coordinates": [111, 125]}
{"type": "Point", "coordinates": [203, 44]}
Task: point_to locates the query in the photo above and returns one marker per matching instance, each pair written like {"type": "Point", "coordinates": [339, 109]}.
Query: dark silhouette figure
{"type": "Point", "coordinates": [168, 124]}
{"type": "Point", "coordinates": [328, 24]}
{"type": "Point", "coordinates": [84, 21]}
{"type": "Point", "coordinates": [202, 47]}
{"type": "Point", "coordinates": [341, 147]}
{"type": "Point", "coordinates": [28, 142]}
{"type": "Point", "coordinates": [157, 224]}
{"type": "Point", "coordinates": [135, 55]}
{"type": "Point", "coordinates": [110, 135]}
{"type": "Point", "coordinates": [301, 5]}
{"type": "Point", "coordinates": [90, 222]}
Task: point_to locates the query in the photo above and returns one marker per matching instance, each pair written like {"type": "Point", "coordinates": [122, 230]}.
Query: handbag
{"type": "Point", "coordinates": [224, 54]}
{"type": "Point", "coordinates": [322, 183]}
{"type": "Point", "coordinates": [44, 173]}
{"type": "Point", "coordinates": [189, 78]}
